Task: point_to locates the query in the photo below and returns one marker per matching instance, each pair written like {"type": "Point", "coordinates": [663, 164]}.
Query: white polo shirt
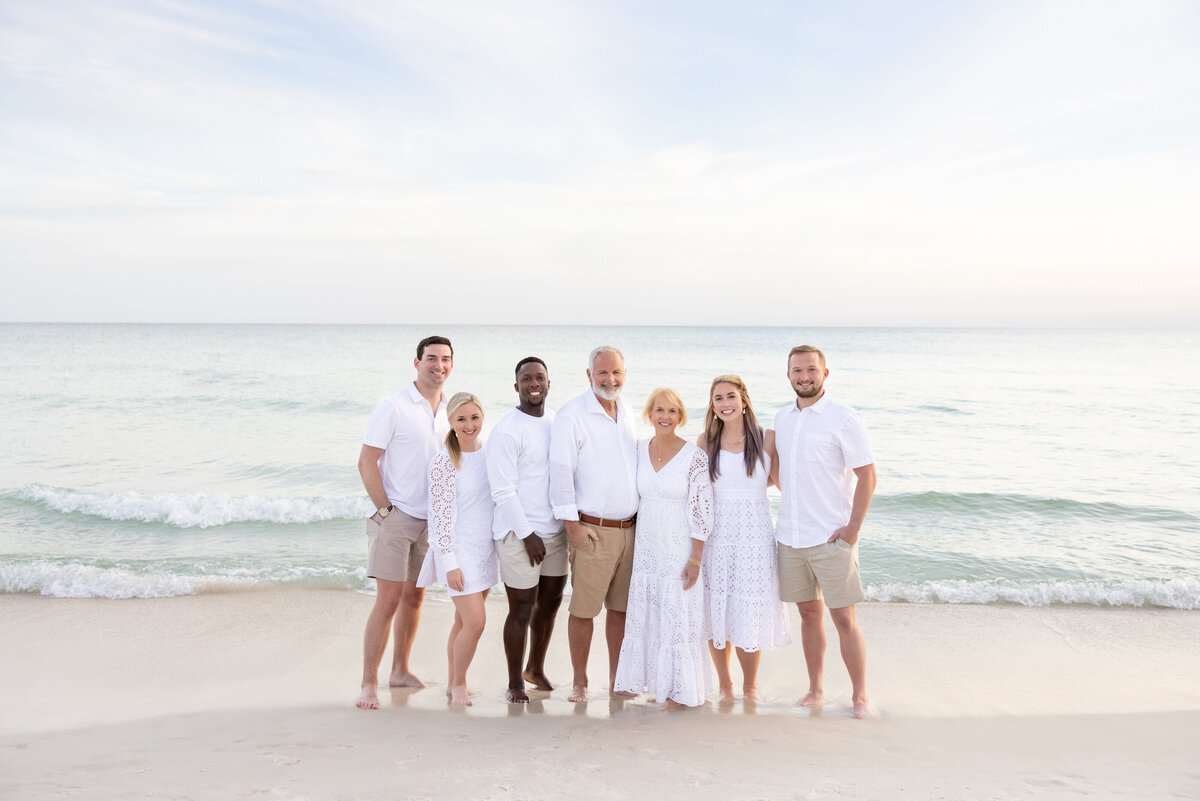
{"type": "Point", "coordinates": [410, 434]}
{"type": "Point", "coordinates": [819, 447]}
{"type": "Point", "coordinates": [593, 460]}
{"type": "Point", "coordinates": [518, 467]}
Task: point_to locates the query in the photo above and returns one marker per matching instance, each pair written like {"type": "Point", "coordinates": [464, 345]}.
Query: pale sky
{"type": "Point", "coordinates": [781, 163]}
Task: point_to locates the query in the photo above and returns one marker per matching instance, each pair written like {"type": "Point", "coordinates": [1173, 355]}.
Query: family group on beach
{"type": "Point", "coordinates": [673, 540]}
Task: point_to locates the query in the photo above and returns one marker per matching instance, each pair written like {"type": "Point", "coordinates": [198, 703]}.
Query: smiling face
{"type": "Point", "coordinates": [607, 376]}
{"type": "Point", "coordinates": [807, 375]}
{"type": "Point", "coordinates": [727, 402]}
{"type": "Point", "coordinates": [532, 386]}
{"type": "Point", "coordinates": [433, 368]}
{"type": "Point", "coordinates": [664, 415]}
{"type": "Point", "coordinates": [467, 422]}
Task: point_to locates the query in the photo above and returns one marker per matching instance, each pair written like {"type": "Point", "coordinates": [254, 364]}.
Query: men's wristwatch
{"type": "Point", "coordinates": [383, 511]}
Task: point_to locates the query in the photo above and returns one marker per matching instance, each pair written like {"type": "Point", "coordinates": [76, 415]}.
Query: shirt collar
{"type": "Point", "coordinates": [593, 405]}
{"type": "Point", "coordinates": [821, 405]}
{"type": "Point", "coordinates": [415, 396]}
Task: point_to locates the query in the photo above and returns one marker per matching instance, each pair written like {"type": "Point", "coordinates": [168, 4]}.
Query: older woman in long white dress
{"type": "Point", "coordinates": [461, 554]}
{"type": "Point", "coordinates": [663, 651]}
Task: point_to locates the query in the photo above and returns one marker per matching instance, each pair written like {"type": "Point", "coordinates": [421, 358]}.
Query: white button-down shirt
{"type": "Point", "coordinates": [518, 468]}
{"type": "Point", "coordinates": [410, 434]}
{"type": "Point", "coordinates": [819, 447]}
{"type": "Point", "coordinates": [593, 460]}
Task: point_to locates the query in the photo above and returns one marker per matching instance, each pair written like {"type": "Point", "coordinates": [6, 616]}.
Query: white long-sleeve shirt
{"type": "Point", "coordinates": [593, 460]}
{"type": "Point", "coordinates": [518, 466]}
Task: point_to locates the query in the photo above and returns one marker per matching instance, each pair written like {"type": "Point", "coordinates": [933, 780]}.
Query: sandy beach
{"type": "Point", "coordinates": [250, 695]}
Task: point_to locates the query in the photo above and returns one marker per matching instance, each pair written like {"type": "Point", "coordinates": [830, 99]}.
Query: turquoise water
{"type": "Point", "coordinates": [1025, 466]}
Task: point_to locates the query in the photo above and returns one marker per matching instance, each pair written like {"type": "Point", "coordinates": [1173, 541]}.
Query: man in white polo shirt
{"type": "Point", "coordinates": [827, 477]}
{"type": "Point", "coordinates": [403, 434]}
{"type": "Point", "coordinates": [593, 489]}
{"type": "Point", "coordinates": [531, 545]}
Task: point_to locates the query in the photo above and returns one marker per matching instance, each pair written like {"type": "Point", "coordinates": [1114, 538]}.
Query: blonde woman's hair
{"type": "Point", "coordinates": [452, 445]}
{"type": "Point", "coordinates": [672, 397]}
{"type": "Point", "coordinates": [713, 426]}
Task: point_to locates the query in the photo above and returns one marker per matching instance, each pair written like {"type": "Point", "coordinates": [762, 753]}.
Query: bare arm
{"type": "Point", "coordinates": [372, 479]}
{"type": "Point", "coordinates": [769, 446]}
{"type": "Point", "coordinates": [858, 509]}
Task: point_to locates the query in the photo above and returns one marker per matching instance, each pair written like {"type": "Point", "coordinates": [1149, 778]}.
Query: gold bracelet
{"type": "Point", "coordinates": [694, 562]}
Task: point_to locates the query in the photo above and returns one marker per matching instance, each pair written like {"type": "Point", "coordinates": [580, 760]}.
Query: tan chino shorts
{"type": "Point", "coordinates": [600, 571]}
{"type": "Point", "coordinates": [396, 546]}
{"type": "Point", "coordinates": [828, 571]}
{"type": "Point", "coordinates": [515, 570]}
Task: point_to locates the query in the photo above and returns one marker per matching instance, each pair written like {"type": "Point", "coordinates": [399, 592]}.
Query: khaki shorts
{"type": "Point", "coordinates": [396, 546]}
{"type": "Point", "coordinates": [600, 572]}
{"type": "Point", "coordinates": [515, 570]}
{"type": "Point", "coordinates": [829, 570]}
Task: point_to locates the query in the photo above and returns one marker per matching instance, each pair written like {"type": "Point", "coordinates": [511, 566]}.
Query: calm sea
{"type": "Point", "coordinates": [1015, 466]}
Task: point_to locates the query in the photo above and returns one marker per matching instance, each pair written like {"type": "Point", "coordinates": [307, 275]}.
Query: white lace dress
{"type": "Point", "coordinates": [664, 650]}
{"type": "Point", "coordinates": [741, 575]}
{"type": "Point", "coordinates": [460, 524]}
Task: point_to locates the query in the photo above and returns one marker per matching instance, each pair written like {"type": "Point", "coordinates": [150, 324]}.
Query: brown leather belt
{"type": "Point", "coordinates": [600, 521]}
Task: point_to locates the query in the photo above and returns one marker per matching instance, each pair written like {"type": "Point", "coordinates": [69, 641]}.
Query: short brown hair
{"type": "Point", "coordinates": [806, 349]}
{"type": "Point", "coordinates": [672, 397]}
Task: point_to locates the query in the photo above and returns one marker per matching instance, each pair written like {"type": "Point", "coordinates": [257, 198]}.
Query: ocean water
{"type": "Point", "coordinates": [1015, 466]}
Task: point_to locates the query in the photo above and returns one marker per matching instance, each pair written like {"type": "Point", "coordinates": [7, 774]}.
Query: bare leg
{"type": "Point", "coordinates": [379, 623]}
{"type": "Point", "coordinates": [541, 626]}
{"type": "Point", "coordinates": [516, 626]}
{"type": "Point", "coordinates": [812, 636]}
{"type": "Point", "coordinates": [579, 636]}
{"type": "Point", "coordinates": [614, 633]}
{"type": "Point", "coordinates": [749, 662]}
{"type": "Point", "coordinates": [407, 618]}
{"type": "Point", "coordinates": [473, 614]}
{"type": "Point", "coordinates": [854, 654]}
{"type": "Point", "coordinates": [455, 628]}
{"type": "Point", "coordinates": [720, 658]}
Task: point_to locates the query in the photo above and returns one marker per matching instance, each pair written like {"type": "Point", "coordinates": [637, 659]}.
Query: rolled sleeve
{"type": "Point", "coordinates": [564, 457]}
{"type": "Point", "coordinates": [855, 443]}
{"type": "Point", "coordinates": [502, 458]}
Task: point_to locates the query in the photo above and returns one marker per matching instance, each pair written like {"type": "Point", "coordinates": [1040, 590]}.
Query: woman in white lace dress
{"type": "Point", "coordinates": [663, 651]}
{"type": "Point", "coordinates": [461, 554]}
{"type": "Point", "coordinates": [741, 579]}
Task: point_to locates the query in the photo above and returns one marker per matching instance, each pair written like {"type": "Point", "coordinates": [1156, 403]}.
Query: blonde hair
{"type": "Point", "coordinates": [672, 397]}
{"type": "Point", "coordinates": [713, 426]}
{"type": "Point", "coordinates": [452, 445]}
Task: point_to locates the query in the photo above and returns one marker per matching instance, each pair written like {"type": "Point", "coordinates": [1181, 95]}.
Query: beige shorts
{"type": "Point", "coordinates": [515, 570]}
{"type": "Point", "coordinates": [829, 570]}
{"type": "Point", "coordinates": [600, 572]}
{"type": "Point", "coordinates": [396, 546]}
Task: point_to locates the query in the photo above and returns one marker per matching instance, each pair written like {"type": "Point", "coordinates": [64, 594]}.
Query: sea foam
{"type": "Point", "coordinates": [197, 510]}
{"type": "Point", "coordinates": [1183, 593]}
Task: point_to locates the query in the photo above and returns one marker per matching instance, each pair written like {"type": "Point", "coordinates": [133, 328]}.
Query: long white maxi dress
{"type": "Point", "coordinates": [664, 650]}
{"type": "Point", "coordinates": [741, 574]}
{"type": "Point", "coordinates": [460, 524]}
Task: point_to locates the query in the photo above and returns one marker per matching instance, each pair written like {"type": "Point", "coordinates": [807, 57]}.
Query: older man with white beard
{"type": "Point", "coordinates": [593, 490]}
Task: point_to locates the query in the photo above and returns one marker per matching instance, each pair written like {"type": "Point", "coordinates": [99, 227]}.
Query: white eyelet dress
{"type": "Point", "coordinates": [460, 524]}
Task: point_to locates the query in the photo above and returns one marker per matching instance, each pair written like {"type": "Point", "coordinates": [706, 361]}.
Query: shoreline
{"type": "Point", "coordinates": [219, 695]}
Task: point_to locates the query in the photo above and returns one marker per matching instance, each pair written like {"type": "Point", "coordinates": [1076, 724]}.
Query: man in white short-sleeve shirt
{"type": "Point", "coordinates": [593, 489]}
{"type": "Point", "coordinates": [827, 478]}
{"type": "Point", "coordinates": [403, 434]}
{"type": "Point", "coordinates": [531, 546]}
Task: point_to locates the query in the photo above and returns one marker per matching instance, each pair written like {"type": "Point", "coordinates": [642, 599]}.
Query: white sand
{"type": "Point", "coordinates": [250, 695]}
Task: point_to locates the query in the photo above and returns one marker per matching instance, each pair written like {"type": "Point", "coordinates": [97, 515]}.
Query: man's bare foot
{"type": "Point", "coordinates": [726, 695]}
{"type": "Point", "coordinates": [367, 699]}
{"type": "Point", "coordinates": [862, 709]}
{"type": "Point", "coordinates": [814, 698]}
{"type": "Point", "coordinates": [538, 679]}
{"type": "Point", "coordinates": [578, 694]}
{"type": "Point", "coordinates": [516, 695]}
{"type": "Point", "coordinates": [751, 694]}
{"type": "Point", "coordinates": [405, 680]}
{"type": "Point", "coordinates": [460, 696]}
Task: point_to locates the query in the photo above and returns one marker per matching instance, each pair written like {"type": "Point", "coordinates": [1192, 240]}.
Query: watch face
{"type": "Point", "coordinates": [384, 512]}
